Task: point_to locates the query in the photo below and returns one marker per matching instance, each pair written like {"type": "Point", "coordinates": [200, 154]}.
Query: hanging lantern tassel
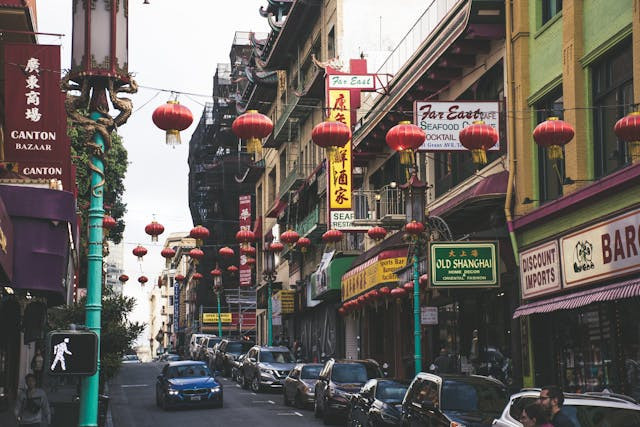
{"type": "Point", "coordinates": [254, 145]}
{"type": "Point", "coordinates": [479, 156]}
{"type": "Point", "coordinates": [478, 137]}
{"type": "Point", "coordinates": [406, 157]}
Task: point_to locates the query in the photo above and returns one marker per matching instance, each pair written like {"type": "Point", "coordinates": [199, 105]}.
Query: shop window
{"type": "Point", "coordinates": [612, 88]}
{"type": "Point", "coordinates": [550, 8]}
{"type": "Point", "coordinates": [551, 173]}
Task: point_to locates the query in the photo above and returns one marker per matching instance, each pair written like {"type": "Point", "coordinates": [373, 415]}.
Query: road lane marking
{"type": "Point", "coordinates": [134, 385]}
{"type": "Point", "coordinates": [290, 413]}
{"type": "Point", "coordinates": [260, 401]}
{"type": "Point", "coordinates": [238, 385]}
{"type": "Point", "coordinates": [253, 394]}
{"type": "Point", "coordinates": [298, 414]}
{"type": "Point", "coordinates": [271, 401]}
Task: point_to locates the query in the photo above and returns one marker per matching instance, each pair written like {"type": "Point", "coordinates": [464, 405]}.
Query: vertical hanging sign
{"type": "Point", "coordinates": [339, 158]}
{"type": "Point", "coordinates": [245, 224]}
{"type": "Point", "coordinates": [176, 306]}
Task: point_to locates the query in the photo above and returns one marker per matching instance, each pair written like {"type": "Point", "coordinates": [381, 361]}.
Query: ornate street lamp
{"type": "Point", "coordinates": [217, 289]}
{"type": "Point", "coordinates": [269, 274]}
{"type": "Point", "coordinates": [99, 72]}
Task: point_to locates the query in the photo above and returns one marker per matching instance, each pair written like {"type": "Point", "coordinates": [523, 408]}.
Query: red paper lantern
{"type": "Point", "coordinates": [405, 136]}
{"type": "Point", "coordinates": [168, 253]}
{"type": "Point", "coordinates": [627, 129]}
{"type": "Point", "coordinates": [342, 311]}
{"type": "Point", "coordinates": [377, 233]}
{"type": "Point", "coordinates": [154, 229]}
{"type": "Point", "coordinates": [179, 278]}
{"type": "Point", "coordinates": [331, 134]}
{"type": "Point", "coordinates": [414, 228]}
{"type": "Point", "coordinates": [216, 272]}
{"type": "Point", "coordinates": [139, 251]}
{"type": "Point", "coordinates": [196, 276]}
{"type": "Point", "coordinates": [408, 287]}
{"type": "Point", "coordinates": [245, 236]}
{"type": "Point", "coordinates": [303, 243]}
{"type": "Point", "coordinates": [384, 291]}
{"type": "Point", "coordinates": [108, 223]}
{"type": "Point", "coordinates": [248, 250]}
{"type": "Point", "coordinates": [226, 252]}
{"type": "Point", "coordinates": [275, 247]}
{"type": "Point", "coordinates": [289, 237]}
{"type": "Point", "coordinates": [424, 280]}
{"type": "Point", "coordinates": [253, 127]}
{"type": "Point", "coordinates": [362, 300]}
{"type": "Point", "coordinates": [552, 134]}
{"type": "Point", "coordinates": [374, 295]}
{"type": "Point", "coordinates": [196, 254]}
{"type": "Point", "coordinates": [143, 280]}
{"type": "Point", "coordinates": [199, 232]}
{"type": "Point", "coordinates": [172, 118]}
{"type": "Point", "coordinates": [398, 293]}
{"type": "Point", "coordinates": [478, 138]}
{"type": "Point", "coordinates": [232, 269]}
{"type": "Point", "coordinates": [123, 278]}
{"type": "Point", "coordinates": [332, 236]}
{"type": "Point", "coordinates": [251, 261]}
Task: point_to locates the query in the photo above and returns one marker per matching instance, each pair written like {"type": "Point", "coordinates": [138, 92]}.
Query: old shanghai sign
{"type": "Point", "coordinates": [463, 264]}
{"type": "Point", "coordinates": [443, 121]}
{"type": "Point", "coordinates": [540, 270]}
{"type": "Point", "coordinates": [604, 250]}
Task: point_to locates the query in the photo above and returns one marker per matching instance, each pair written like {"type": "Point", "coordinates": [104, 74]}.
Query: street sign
{"type": "Point", "coordinates": [463, 264]}
{"type": "Point", "coordinates": [287, 302]}
{"type": "Point", "coordinates": [428, 315]}
{"type": "Point", "coordinates": [72, 353]}
{"type": "Point", "coordinates": [213, 317]}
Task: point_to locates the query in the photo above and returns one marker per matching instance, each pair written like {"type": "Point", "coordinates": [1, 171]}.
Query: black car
{"type": "Point", "coordinates": [300, 384]}
{"type": "Point", "coordinates": [337, 382]}
{"type": "Point", "coordinates": [266, 367]}
{"type": "Point", "coordinates": [443, 400]}
{"type": "Point", "coordinates": [378, 403]}
{"type": "Point", "coordinates": [228, 351]}
{"type": "Point", "coordinates": [187, 383]}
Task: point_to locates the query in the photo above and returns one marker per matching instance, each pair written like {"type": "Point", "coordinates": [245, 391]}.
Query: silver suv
{"type": "Point", "coordinates": [588, 409]}
{"type": "Point", "coordinates": [266, 367]}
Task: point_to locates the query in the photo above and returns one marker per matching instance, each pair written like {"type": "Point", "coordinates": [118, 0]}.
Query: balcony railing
{"type": "Point", "coordinates": [294, 178]}
{"type": "Point", "coordinates": [379, 206]}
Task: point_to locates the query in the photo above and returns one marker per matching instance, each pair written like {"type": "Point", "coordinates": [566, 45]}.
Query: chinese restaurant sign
{"type": "Point", "coordinates": [604, 250]}
{"type": "Point", "coordinates": [377, 270]}
{"type": "Point", "coordinates": [463, 264]}
{"type": "Point", "coordinates": [35, 127]}
{"type": "Point", "coordinates": [540, 270]}
{"type": "Point", "coordinates": [443, 121]}
{"type": "Point", "coordinates": [213, 317]}
{"type": "Point", "coordinates": [339, 158]}
{"type": "Point", "coordinates": [245, 224]}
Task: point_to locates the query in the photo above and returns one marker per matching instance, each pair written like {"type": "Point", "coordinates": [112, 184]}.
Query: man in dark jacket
{"type": "Point", "coordinates": [552, 398]}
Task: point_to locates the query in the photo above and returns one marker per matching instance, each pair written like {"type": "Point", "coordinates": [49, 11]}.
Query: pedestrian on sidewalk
{"type": "Point", "coordinates": [32, 405]}
{"type": "Point", "coordinates": [552, 398]}
{"type": "Point", "coordinates": [37, 366]}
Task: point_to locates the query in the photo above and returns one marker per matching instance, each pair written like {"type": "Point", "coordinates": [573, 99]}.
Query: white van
{"type": "Point", "coordinates": [194, 344]}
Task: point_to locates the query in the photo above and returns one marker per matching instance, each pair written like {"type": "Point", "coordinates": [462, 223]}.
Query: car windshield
{"type": "Point", "coordinates": [238, 347]}
{"type": "Point", "coordinates": [188, 371]}
{"type": "Point", "coordinates": [276, 357]}
{"type": "Point", "coordinates": [310, 372]}
{"type": "Point", "coordinates": [390, 392]}
{"type": "Point", "coordinates": [458, 395]}
{"type": "Point", "coordinates": [353, 373]}
{"type": "Point", "coordinates": [212, 342]}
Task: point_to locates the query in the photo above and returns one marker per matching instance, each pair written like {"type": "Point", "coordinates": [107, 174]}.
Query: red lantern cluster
{"type": "Point", "coordinates": [627, 129]}
{"type": "Point", "coordinates": [196, 254]}
{"type": "Point", "coordinates": [377, 233]}
{"type": "Point", "coordinates": [424, 280]}
{"type": "Point", "coordinates": [139, 251]}
{"type": "Point", "coordinates": [332, 236]}
{"type": "Point", "coordinates": [414, 228]}
{"type": "Point", "coordinates": [290, 237]}
{"type": "Point", "coordinates": [232, 269]}
{"type": "Point", "coordinates": [553, 134]}
{"type": "Point", "coordinates": [226, 252]}
{"type": "Point", "coordinates": [384, 291]}
{"type": "Point", "coordinates": [196, 276]}
{"type": "Point", "coordinates": [275, 247]}
{"type": "Point", "coordinates": [331, 134]}
{"type": "Point", "coordinates": [253, 127]}
{"type": "Point", "coordinates": [179, 278]}
{"type": "Point", "coordinates": [172, 118]}
{"type": "Point", "coordinates": [143, 280]}
{"type": "Point", "coordinates": [108, 223]}
{"type": "Point", "coordinates": [199, 233]}
{"type": "Point", "coordinates": [398, 293]}
{"type": "Point", "coordinates": [478, 138]}
{"type": "Point", "coordinates": [245, 236]}
{"type": "Point", "coordinates": [168, 253]}
{"type": "Point", "coordinates": [123, 278]}
{"type": "Point", "coordinates": [303, 243]}
{"type": "Point", "coordinates": [154, 229]}
{"type": "Point", "coordinates": [408, 287]}
{"type": "Point", "coordinates": [216, 272]}
{"type": "Point", "coordinates": [248, 250]}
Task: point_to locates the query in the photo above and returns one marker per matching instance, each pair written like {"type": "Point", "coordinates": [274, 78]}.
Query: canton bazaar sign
{"type": "Point", "coordinates": [443, 121]}
{"type": "Point", "coordinates": [540, 270]}
{"type": "Point", "coordinates": [377, 270]}
{"type": "Point", "coordinates": [605, 250]}
{"type": "Point", "coordinates": [463, 264]}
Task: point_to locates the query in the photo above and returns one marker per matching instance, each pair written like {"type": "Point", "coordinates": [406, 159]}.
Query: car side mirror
{"type": "Point", "coordinates": [428, 405]}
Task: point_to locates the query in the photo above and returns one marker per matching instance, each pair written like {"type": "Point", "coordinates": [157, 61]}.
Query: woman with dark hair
{"type": "Point", "coordinates": [32, 406]}
{"type": "Point", "coordinates": [535, 415]}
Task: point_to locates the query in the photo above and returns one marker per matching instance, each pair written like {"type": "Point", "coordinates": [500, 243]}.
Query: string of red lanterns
{"type": "Point", "coordinates": [154, 229]}
{"type": "Point", "coordinates": [172, 118]}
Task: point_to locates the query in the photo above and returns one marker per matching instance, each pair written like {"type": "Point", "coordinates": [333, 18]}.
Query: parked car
{"type": "Point", "coordinates": [131, 358]}
{"type": "Point", "coordinates": [439, 400]}
{"type": "Point", "coordinates": [589, 409]}
{"type": "Point", "coordinates": [266, 367]}
{"type": "Point", "coordinates": [227, 352]}
{"type": "Point", "coordinates": [337, 382]}
{"type": "Point", "coordinates": [236, 369]}
{"type": "Point", "coordinates": [299, 385]}
{"type": "Point", "coordinates": [187, 383]}
{"type": "Point", "coordinates": [378, 403]}
{"type": "Point", "coordinates": [194, 344]}
{"type": "Point", "coordinates": [208, 349]}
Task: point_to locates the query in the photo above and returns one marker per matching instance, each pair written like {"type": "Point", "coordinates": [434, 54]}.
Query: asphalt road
{"type": "Point", "coordinates": [133, 405]}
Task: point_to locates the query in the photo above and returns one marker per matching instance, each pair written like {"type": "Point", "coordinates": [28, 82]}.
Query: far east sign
{"type": "Point", "coordinates": [72, 353]}
{"type": "Point", "coordinates": [463, 264]}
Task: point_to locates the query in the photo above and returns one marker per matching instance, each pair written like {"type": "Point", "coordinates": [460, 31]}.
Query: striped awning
{"type": "Point", "coordinates": [616, 291]}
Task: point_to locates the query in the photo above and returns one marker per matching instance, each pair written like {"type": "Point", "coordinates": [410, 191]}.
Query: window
{"type": "Point", "coordinates": [550, 8]}
{"type": "Point", "coordinates": [551, 173]}
{"type": "Point", "coordinates": [460, 395]}
{"type": "Point", "coordinates": [424, 391]}
{"type": "Point", "coordinates": [331, 44]}
{"type": "Point", "coordinates": [272, 186]}
{"type": "Point", "coordinates": [311, 372]}
{"type": "Point", "coordinates": [276, 357]}
{"type": "Point", "coordinates": [612, 87]}
{"type": "Point", "coordinates": [283, 166]}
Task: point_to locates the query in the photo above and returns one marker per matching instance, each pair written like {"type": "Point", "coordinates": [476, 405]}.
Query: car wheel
{"type": "Point", "coordinates": [255, 384]}
{"type": "Point", "coordinates": [165, 404]}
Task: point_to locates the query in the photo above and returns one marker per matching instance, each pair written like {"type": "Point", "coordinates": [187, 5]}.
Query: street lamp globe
{"type": "Point", "coordinates": [269, 262]}
{"type": "Point", "coordinates": [414, 199]}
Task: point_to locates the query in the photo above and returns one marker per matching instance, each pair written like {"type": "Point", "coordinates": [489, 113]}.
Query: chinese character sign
{"type": "Point", "coordinates": [339, 158]}
{"type": "Point", "coordinates": [176, 306]}
{"type": "Point", "coordinates": [245, 224]}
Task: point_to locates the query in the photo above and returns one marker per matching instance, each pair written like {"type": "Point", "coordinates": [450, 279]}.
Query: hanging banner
{"type": "Point", "coordinates": [339, 158]}
{"type": "Point", "coordinates": [379, 269]}
{"type": "Point", "coordinates": [176, 306]}
{"type": "Point", "coordinates": [245, 224]}
{"type": "Point", "coordinates": [35, 128]}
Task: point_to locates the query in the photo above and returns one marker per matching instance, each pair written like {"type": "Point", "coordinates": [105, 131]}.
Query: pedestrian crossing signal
{"type": "Point", "coordinates": [72, 353]}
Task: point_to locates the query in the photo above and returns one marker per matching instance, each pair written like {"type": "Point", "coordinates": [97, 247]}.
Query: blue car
{"type": "Point", "coordinates": [187, 383]}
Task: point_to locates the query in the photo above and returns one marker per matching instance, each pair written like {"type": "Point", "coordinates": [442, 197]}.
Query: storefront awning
{"type": "Point", "coordinates": [616, 291]}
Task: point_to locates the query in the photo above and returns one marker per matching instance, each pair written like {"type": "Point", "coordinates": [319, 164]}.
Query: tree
{"type": "Point", "coordinates": [117, 335]}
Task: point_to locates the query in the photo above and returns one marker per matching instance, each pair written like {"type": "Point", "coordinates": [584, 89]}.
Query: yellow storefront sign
{"type": "Point", "coordinates": [377, 270]}
{"type": "Point", "coordinates": [213, 317]}
{"type": "Point", "coordinates": [340, 158]}
{"type": "Point", "coordinates": [287, 302]}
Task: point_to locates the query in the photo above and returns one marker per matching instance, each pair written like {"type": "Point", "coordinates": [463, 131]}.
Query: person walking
{"type": "Point", "coordinates": [443, 362]}
{"type": "Point", "coordinates": [551, 398]}
{"type": "Point", "coordinates": [37, 366]}
{"type": "Point", "coordinates": [32, 405]}
{"type": "Point", "coordinates": [535, 415]}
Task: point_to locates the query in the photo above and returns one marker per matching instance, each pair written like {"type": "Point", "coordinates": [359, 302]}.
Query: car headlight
{"type": "Point", "coordinates": [267, 371]}
{"type": "Point", "coordinates": [309, 389]}
{"type": "Point", "coordinates": [173, 392]}
{"type": "Point", "coordinates": [215, 389]}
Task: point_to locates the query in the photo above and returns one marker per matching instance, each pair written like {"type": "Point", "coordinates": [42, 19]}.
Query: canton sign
{"type": "Point", "coordinates": [72, 353]}
{"type": "Point", "coordinates": [463, 264]}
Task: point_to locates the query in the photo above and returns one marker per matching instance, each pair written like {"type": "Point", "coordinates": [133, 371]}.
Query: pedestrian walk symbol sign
{"type": "Point", "coordinates": [72, 352]}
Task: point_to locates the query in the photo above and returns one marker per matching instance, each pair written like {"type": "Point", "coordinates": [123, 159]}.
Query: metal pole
{"type": "Point", "coordinates": [219, 318]}
{"type": "Point", "coordinates": [416, 313]}
{"type": "Point", "coordinates": [88, 415]}
{"type": "Point", "coordinates": [269, 314]}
